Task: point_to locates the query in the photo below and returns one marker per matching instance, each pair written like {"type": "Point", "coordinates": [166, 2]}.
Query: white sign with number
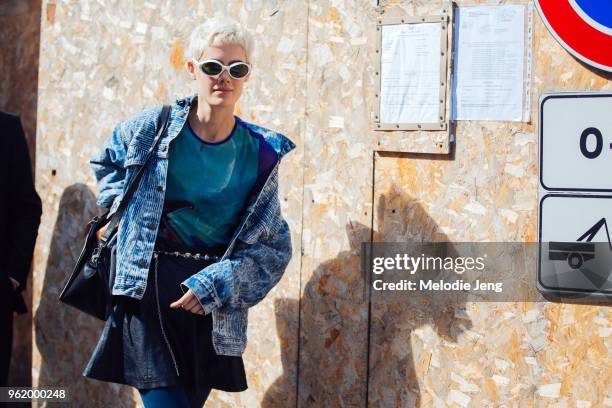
{"type": "Point", "coordinates": [576, 142]}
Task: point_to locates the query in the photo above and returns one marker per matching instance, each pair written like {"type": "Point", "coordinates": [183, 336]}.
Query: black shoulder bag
{"type": "Point", "coordinates": [89, 287]}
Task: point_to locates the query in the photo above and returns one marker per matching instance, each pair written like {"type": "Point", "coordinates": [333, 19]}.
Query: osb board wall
{"type": "Point", "coordinates": [319, 88]}
{"type": "Point", "coordinates": [101, 62]}
{"type": "Point", "coordinates": [19, 40]}
{"type": "Point", "coordinates": [538, 354]}
{"type": "Point", "coordinates": [458, 353]}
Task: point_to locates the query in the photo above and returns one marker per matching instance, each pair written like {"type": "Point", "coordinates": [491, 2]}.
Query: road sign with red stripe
{"type": "Point", "coordinates": [582, 27]}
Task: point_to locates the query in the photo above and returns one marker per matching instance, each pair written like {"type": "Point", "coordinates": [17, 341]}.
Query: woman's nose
{"type": "Point", "coordinates": [225, 75]}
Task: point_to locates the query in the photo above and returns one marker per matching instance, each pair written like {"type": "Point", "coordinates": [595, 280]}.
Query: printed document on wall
{"type": "Point", "coordinates": [489, 63]}
{"type": "Point", "coordinates": [410, 73]}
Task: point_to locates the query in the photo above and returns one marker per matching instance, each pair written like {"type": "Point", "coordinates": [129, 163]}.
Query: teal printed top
{"type": "Point", "coordinates": [208, 184]}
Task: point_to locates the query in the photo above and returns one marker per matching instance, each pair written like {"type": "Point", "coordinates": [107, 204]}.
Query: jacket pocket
{"type": "Point", "coordinates": [138, 151]}
{"type": "Point", "coordinates": [136, 155]}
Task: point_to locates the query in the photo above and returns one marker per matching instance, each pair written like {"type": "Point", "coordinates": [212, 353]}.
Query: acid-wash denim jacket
{"type": "Point", "coordinates": [258, 251]}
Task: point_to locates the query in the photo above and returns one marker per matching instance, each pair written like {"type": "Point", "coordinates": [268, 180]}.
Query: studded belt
{"type": "Point", "coordinates": [189, 255]}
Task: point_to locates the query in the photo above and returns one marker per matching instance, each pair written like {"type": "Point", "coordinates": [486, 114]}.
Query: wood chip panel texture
{"type": "Point", "coordinates": [315, 340]}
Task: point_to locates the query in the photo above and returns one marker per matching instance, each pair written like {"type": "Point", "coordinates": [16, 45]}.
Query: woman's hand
{"type": "Point", "coordinates": [189, 302]}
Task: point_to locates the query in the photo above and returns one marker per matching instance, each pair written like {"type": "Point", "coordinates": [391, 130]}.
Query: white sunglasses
{"type": "Point", "coordinates": [213, 68]}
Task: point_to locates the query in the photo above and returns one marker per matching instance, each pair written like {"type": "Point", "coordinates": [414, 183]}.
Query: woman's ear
{"type": "Point", "coordinates": [191, 69]}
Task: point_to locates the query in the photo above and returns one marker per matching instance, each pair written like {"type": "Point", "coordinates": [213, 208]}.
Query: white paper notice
{"type": "Point", "coordinates": [410, 73]}
{"type": "Point", "coordinates": [489, 63]}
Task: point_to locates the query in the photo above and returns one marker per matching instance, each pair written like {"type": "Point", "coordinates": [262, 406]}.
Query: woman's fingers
{"type": "Point", "coordinates": [195, 309]}
{"type": "Point", "coordinates": [179, 303]}
{"type": "Point", "coordinates": [188, 302]}
{"type": "Point", "coordinates": [191, 303]}
{"type": "Point", "coordinates": [194, 306]}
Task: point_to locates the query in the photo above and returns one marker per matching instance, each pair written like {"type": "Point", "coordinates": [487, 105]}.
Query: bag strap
{"type": "Point", "coordinates": [162, 124]}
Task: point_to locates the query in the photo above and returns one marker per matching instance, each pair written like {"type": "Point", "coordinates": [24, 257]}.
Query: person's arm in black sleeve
{"type": "Point", "coordinates": [24, 209]}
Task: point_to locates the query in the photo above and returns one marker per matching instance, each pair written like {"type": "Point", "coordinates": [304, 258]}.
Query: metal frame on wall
{"type": "Point", "coordinates": [443, 123]}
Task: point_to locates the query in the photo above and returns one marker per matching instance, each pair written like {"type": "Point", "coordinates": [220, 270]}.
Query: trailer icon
{"type": "Point", "coordinates": [576, 253]}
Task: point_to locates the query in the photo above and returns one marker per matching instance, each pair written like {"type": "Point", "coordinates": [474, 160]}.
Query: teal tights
{"type": "Point", "coordinates": [173, 397]}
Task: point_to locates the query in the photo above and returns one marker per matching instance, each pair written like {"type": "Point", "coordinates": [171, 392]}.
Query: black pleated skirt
{"type": "Point", "coordinates": [146, 344]}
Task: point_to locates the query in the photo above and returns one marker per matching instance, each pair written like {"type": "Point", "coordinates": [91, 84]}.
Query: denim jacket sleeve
{"type": "Point", "coordinates": [245, 277]}
{"type": "Point", "coordinates": [108, 167]}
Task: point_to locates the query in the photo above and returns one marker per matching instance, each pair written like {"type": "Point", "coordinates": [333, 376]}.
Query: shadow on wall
{"type": "Point", "coordinates": [333, 297]}
{"type": "Point", "coordinates": [596, 71]}
{"type": "Point", "coordinates": [398, 358]}
{"type": "Point", "coordinates": [64, 336]}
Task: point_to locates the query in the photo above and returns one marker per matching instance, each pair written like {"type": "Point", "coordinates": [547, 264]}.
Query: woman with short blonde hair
{"type": "Point", "coordinates": [201, 240]}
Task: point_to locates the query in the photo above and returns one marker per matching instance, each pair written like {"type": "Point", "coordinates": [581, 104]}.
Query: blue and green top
{"type": "Point", "coordinates": [208, 183]}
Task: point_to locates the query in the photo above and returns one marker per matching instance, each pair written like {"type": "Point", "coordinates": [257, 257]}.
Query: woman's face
{"type": "Point", "coordinates": [223, 91]}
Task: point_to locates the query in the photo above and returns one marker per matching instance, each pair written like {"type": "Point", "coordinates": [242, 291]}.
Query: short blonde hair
{"type": "Point", "coordinates": [219, 30]}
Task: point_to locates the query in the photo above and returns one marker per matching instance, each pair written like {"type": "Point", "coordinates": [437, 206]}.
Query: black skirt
{"type": "Point", "coordinates": [146, 344]}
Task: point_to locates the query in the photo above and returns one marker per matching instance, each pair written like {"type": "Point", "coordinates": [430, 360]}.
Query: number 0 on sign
{"type": "Point", "coordinates": [576, 142]}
